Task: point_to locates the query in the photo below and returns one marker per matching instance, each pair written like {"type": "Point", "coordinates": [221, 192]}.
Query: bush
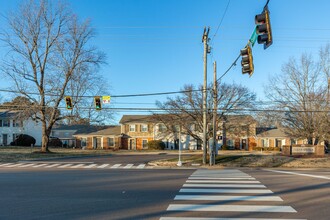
{"type": "Point", "coordinates": [156, 145]}
{"type": "Point", "coordinates": [266, 148]}
{"type": "Point", "coordinates": [23, 140]}
{"type": "Point", "coordinates": [226, 147]}
{"type": "Point", "coordinates": [55, 142]}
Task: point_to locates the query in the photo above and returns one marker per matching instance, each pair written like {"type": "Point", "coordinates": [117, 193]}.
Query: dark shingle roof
{"type": "Point", "coordinates": [114, 130]}
{"type": "Point", "coordinates": [80, 129]}
{"type": "Point", "coordinates": [276, 132]}
{"type": "Point", "coordinates": [136, 119]}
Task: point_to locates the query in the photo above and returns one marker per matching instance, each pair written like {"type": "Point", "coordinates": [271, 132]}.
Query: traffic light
{"type": "Point", "coordinates": [263, 28]}
{"type": "Point", "coordinates": [97, 101]}
{"type": "Point", "coordinates": [247, 60]}
{"type": "Point", "coordinates": [68, 102]}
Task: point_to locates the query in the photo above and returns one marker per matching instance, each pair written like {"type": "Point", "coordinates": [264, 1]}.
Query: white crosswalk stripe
{"type": "Point", "coordinates": [128, 166]}
{"type": "Point", "coordinates": [26, 165]}
{"type": "Point", "coordinates": [53, 165]}
{"type": "Point", "coordinates": [5, 164]}
{"type": "Point", "coordinates": [14, 165]}
{"type": "Point", "coordinates": [90, 166]}
{"type": "Point", "coordinates": [74, 165]}
{"type": "Point", "coordinates": [198, 218]}
{"type": "Point", "coordinates": [141, 166]}
{"type": "Point", "coordinates": [65, 165]}
{"type": "Point", "coordinates": [103, 166]}
{"type": "Point", "coordinates": [229, 188]}
{"type": "Point", "coordinates": [115, 166]}
{"type": "Point", "coordinates": [40, 165]}
{"type": "Point", "coordinates": [78, 165]}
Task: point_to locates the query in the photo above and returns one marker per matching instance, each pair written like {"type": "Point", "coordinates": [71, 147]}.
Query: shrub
{"type": "Point", "coordinates": [54, 142]}
{"type": "Point", "coordinates": [23, 140]}
{"type": "Point", "coordinates": [156, 145]}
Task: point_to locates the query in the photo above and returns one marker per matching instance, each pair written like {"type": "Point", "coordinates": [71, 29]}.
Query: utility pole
{"type": "Point", "coordinates": [215, 110]}
{"type": "Point", "coordinates": [205, 40]}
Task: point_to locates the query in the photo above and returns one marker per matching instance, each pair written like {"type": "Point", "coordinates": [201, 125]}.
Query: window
{"type": "Point", "coordinates": [265, 142]}
{"type": "Point", "coordinates": [145, 143]}
{"type": "Point", "coordinates": [83, 142]}
{"type": "Point", "coordinates": [144, 128]}
{"type": "Point", "coordinates": [161, 128]}
{"type": "Point", "coordinates": [230, 143]}
{"type": "Point", "coordinates": [111, 142]}
{"type": "Point", "coordinates": [5, 123]}
{"type": "Point", "coordinates": [17, 123]}
{"type": "Point", "coordinates": [132, 128]}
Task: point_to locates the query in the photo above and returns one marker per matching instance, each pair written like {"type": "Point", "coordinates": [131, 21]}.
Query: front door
{"type": "Point", "coordinates": [244, 146]}
{"type": "Point", "coordinates": [132, 144]}
{"type": "Point", "coordinates": [5, 139]}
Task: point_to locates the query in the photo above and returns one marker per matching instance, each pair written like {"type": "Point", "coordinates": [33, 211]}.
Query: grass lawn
{"type": "Point", "coordinates": [15, 154]}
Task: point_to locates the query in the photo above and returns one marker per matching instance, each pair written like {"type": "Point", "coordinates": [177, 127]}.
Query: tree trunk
{"type": "Point", "coordinates": [45, 138]}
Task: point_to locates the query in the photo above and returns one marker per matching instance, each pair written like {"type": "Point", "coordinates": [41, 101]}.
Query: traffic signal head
{"type": "Point", "coordinates": [263, 28]}
{"type": "Point", "coordinates": [97, 101]}
{"type": "Point", "coordinates": [68, 102]}
{"type": "Point", "coordinates": [247, 60]}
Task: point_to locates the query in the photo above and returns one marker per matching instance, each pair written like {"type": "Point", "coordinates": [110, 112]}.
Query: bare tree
{"type": "Point", "coordinates": [186, 109]}
{"type": "Point", "coordinates": [301, 91]}
{"type": "Point", "coordinates": [48, 49]}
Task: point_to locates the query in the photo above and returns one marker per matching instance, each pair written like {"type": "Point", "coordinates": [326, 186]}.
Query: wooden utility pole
{"type": "Point", "coordinates": [206, 51]}
{"type": "Point", "coordinates": [215, 109]}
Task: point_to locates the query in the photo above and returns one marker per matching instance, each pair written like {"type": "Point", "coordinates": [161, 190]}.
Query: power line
{"type": "Point", "coordinates": [223, 16]}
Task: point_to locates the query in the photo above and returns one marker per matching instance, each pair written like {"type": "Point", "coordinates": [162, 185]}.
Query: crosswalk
{"type": "Point", "coordinates": [226, 194]}
{"type": "Point", "coordinates": [40, 165]}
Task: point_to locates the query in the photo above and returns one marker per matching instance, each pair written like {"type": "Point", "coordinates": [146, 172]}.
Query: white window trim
{"type": "Point", "coordinates": [132, 128]}
{"type": "Point", "coordinates": [146, 143]}
{"type": "Point", "coordinates": [146, 126]}
{"type": "Point", "coordinates": [113, 142]}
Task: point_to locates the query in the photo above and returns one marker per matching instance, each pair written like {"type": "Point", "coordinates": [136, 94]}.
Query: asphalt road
{"type": "Point", "coordinates": [38, 192]}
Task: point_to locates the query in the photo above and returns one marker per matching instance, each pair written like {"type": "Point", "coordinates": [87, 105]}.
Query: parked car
{"type": "Point", "coordinates": [23, 140]}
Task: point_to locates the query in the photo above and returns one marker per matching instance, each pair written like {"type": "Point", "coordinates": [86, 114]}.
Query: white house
{"type": "Point", "coordinates": [11, 127]}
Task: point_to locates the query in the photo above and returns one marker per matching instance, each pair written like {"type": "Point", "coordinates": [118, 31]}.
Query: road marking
{"type": "Point", "coordinates": [221, 178]}
{"type": "Point", "coordinates": [53, 165]}
{"type": "Point", "coordinates": [5, 164]}
{"type": "Point", "coordinates": [78, 165]}
{"type": "Point", "coordinates": [141, 166]}
{"type": "Point", "coordinates": [128, 166]}
{"type": "Point", "coordinates": [255, 191]}
{"type": "Point", "coordinates": [225, 185]}
{"type": "Point", "coordinates": [220, 181]}
{"type": "Point", "coordinates": [14, 165]}
{"type": "Point", "coordinates": [299, 174]}
{"type": "Point", "coordinates": [230, 208]}
{"type": "Point", "coordinates": [103, 166]}
{"type": "Point", "coordinates": [115, 166]}
{"type": "Point", "coordinates": [198, 218]}
{"type": "Point", "coordinates": [228, 198]}
{"type": "Point", "coordinates": [65, 165]}
{"type": "Point", "coordinates": [90, 166]}
{"type": "Point", "coordinates": [27, 165]}
{"type": "Point", "coordinates": [41, 165]}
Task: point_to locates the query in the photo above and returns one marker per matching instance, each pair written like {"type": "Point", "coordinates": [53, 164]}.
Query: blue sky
{"type": "Point", "coordinates": [155, 45]}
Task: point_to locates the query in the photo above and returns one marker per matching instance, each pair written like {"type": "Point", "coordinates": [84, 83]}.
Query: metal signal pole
{"type": "Point", "coordinates": [206, 51]}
